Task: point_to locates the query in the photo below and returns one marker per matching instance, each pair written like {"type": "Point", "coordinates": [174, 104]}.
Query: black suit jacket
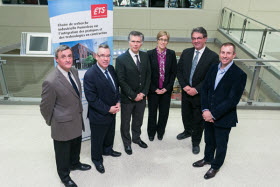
{"type": "Point", "coordinates": [100, 95]}
{"type": "Point", "coordinates": [185, 65]}
{"type": "Point", "coordinates": [170, 70]}
{"type": "Point", "coordinates": [223, 100]}
{"type": "Point", "coordinates": [131, 81]}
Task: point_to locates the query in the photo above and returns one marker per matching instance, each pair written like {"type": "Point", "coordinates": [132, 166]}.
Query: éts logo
{"type": "Point", "coordinates": [99, 11]}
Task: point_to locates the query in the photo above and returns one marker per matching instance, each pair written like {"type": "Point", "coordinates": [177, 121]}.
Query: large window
{"type": "Point", "coordinates": [159, 3]}
{"type": "Point", "coordinates": [26, 2]}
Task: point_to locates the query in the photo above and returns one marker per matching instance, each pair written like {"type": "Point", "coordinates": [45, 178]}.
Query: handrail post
{"type": "Point", "coordinates": [229, 22]}
{"type": "Point", "coordinates": [254, 82]}
{"type": "Point", "coordinates": [222, 18]}
{"type": "Point", "coordinates": [3, 80]}
{"type": "Point", "coordinates": [262, 43]}
{"type": "Point", "coordinates": [243, 31]}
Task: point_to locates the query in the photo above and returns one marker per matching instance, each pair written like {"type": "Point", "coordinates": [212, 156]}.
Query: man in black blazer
{"type": "Point", "coordinates": [220, 94]}
{"type": "Point", "coordinates": [102, 93]}
{"type": "Point", "coordinates": [191, 71]}
{"type": "Point", "coordinates": [134, 75]}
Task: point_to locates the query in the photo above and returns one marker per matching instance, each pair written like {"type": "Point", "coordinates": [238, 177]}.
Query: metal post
{"type": "Point", "coordinates": [3, 80]}
{"type": "Point", "coordinates": [222, 18]}
{"type": "Point", "coordinates": [254, 83]}
{"type": "Point", "coordinates": [243, 31]}
{"type": "Point", "coordinates": [262, 43]}
{"type": "Point", "coordinates": [229, 22]}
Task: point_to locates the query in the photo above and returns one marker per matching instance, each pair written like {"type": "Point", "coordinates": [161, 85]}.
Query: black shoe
{"type": "Point", "coordinates": [141, 144]}
{"type": "Point", "coordinates": [100, 168]}
{"type": "Point", "coordinates": [69, 183]}
{"type": "Point", "coordinates": [211, 173]}
{"type": "Point", "coordinates": [151, 138]}
{"type": "Point", "coordinates": [114, 154]}
{"type": "Point", "coordinates": [200, 163]}
{"type": "Point", "coordinates": [195, 149]}
{"type": "Point", "coordinates": [182, 136]}
{"type": "Point", "coordinates": [159, 137]}
{"type": "Point", "coordinates": [128, 149]}
{"type": "Point", "coordinates": [82, 167]}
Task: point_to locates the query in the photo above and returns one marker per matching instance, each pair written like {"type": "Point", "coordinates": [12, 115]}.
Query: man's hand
{"type": "Point", "coordinates": [192, 91]}
{"type": "Point", "coordinates": [114, 109]}
{"type": "Point", "coordinates": [207, 116]}
{"type": "Point", "coordinates": [186, 88]}
{"type": "Point", "coordinates": [139, 97]}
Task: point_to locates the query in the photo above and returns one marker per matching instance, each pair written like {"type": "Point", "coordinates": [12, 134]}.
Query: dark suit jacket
{"type": "Point", "coordinates": [223, 100]}
{"type": "Point", "coordinates": [185, 65]}
{"type": "Point", "coordinates": [131, 81]}
{"type": "Point", "coordinates": [100, 95]}
{"type": "Point", "coordinates": [170, 70]}
{"type": "Point", "coordinates": [61, 107]}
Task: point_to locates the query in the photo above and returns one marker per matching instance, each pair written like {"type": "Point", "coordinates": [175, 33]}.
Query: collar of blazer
{"type": "Point", "coordinates": [225, 77]}
{"type": "Point", "coordinates": [66, 83]}
{"type": "Point", "coordinates": [101, 75]}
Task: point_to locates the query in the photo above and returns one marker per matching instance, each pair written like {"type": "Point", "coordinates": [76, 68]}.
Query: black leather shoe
{"type": "Point", "coordinates": [100, 168]}
{"type": "Point", "coordinates": [159, 137]}
{"type": "Point", "coordinates": [82, 167]}
{"type": "Point", "coordinates": [211, 173]}
{"type": "Point", "coordinates": [151, 138]}
{"type": "Point", "coordinates": [128, 149]}
{"type": "Point", "coordinates": [69, 183]}
{"type": "Point", "coordinates": [113, 154]}
{"type": "Point", "coordinates": [141, 144]}
{"type": "Point", "coordinates": [182, 136]}
{"type": "Point", "coordinates": [200, 163]}
{"type": "Point", "coordinates": [195, 149]}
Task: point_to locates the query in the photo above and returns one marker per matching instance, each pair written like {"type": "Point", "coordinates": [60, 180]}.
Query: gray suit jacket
{"type": "Point", "coordinates": [61, 107]}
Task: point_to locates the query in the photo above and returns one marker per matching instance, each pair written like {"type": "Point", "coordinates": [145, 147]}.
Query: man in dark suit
{"type": "Point", "coordinates": [191, 71]}
{"type": "Point", "coordinates": [62, 109]}
{"type": "Point", "coordinates": [220, 94]}
{"type": "Point", "coordinates": [102, 93]}
{"type": "Point", "coordinates": [134, 75]}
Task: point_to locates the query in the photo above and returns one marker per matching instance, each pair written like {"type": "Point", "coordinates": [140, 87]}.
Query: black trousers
{"type": "Point", "coordinates": [216, 139]}
{"type": "Point", "coordinates": [192, 119]}
{"type": "Point", "coordinates": [161, 103]}
{"type": "Point", "coordinates": [102, 140]}
{"type": "Point", "coordinates": [136, 111]}
{"type": "Point", "coordinates": [67, 154]}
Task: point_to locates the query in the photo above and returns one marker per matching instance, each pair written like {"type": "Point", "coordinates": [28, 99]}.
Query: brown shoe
{"type": "Point", "coordinates": [200, 163]}
{"type": "Point", "coordinates": [211, 173]}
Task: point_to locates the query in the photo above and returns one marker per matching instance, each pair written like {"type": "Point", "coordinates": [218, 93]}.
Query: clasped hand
{"type": "Point", "coordinates": [115, 109]}
{"type": "Point", "coordinates": [190, 91]}
{"type": "Point", "coordinates": [207, 116]}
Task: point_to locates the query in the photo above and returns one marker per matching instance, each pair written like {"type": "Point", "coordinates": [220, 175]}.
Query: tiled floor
{"type": "Point", "coordinates": [27, 156]}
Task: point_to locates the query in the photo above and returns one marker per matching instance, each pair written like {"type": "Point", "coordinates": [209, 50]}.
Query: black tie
{"type": "Point", "coordinates": [73, 84]}
{"type": "Point", "coordinates": [109, 79]}
{"type": "Point", "coordinates": [138, 63]}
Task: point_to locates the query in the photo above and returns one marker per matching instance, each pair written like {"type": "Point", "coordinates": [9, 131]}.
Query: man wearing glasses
{"type": "Point", "coordinates": [191, 71]}
{"type": "Point", "coordinates": [134, 75]}
{"type": "Point", "coordinates": [102, 93]}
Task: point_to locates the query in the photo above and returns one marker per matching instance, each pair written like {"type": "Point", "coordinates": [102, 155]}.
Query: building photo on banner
{"type": "Point", "coordinates": [82, 26]}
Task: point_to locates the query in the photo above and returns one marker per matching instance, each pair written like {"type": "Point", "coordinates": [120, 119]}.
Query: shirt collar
{"type": "Point", "coordinates": [201, 50]}
{"type": "Point", "coordinates": [65, 73]}
{"type": "Point", "coordinates": [103, 71]}
{"type": "Point", "coordinates": [133, 54]}
{"type": "Point", "coordinates": [226, 68]}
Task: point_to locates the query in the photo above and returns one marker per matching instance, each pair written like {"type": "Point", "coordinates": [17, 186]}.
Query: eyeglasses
{"type": "Point", "coordinates": [199, 38]}
{"type": "Point", "coordinates": [162, 40]}
{"type": "Point", "coordinates": [104, 56]}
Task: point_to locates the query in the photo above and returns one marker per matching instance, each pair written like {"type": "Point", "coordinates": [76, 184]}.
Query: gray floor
{"type": "Point", "coordinates": [27, 156]}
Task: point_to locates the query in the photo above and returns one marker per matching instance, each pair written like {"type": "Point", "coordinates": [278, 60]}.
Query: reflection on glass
{"type": "Point", "coordinates": [159, 3]}
{"type": "Point", "coordinates": [236, 25]}
{"type": "Point", "coordinates": [28, 2]}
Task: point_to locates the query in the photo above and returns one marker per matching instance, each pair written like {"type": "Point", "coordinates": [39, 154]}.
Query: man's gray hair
{"type": "Point", "coordinates": [105, 46]}
{"type": "Point", "coordinates": [200, 30]}
{"type": "Point", "coordinates": [136, 33]}
{"type": "Point", "coordinates": [60, 48]}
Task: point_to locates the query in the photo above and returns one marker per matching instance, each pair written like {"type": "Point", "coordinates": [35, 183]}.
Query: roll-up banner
{"type": "Point", "coordinates": [82, 25]}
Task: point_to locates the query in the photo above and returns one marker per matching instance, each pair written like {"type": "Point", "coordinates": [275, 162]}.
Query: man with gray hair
{"type": "Point", "coordinates": [102, 93]}
{"type": "Point", "coordinates": [62, 109]}
{"type": "Point", "coordinates": [191, 71]}
{"type": "Point", "coordinates": [134, 75]}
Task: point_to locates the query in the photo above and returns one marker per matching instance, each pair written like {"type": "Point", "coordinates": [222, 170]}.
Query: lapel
{"type": "Point", "coordinates": [225, 77]}
{"type": "Point", "coordinates": [202, 59]}
{"type": "Point", "coordinates": [77, 79]}
{"type": "Point", "coordinates": [103, 78]}
{"type": "Point", "coordinates": [167, 61]}
{"type": "Point", "coordinates": [65, 82]}
{"type": "Point", "coordinates": [130, 59]}
{"type": "Point", "coordinates": [155, 60]}
{"type": "Point", "coordinates": [189, 59]}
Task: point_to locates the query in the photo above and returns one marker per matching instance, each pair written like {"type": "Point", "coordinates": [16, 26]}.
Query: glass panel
{"type": "Point", "coordinates": [268, 85]}
{"type": "Point", "coordinates": [271, 48]}
{"type": "Point", "coordinates": [253, 35]}
{"type": "Point", "coordinates": [236, 26]}
{"type": "Point", "coordinates": [159, 3]}
{"type": "Point", "coordinates": [130, 3]}
{"type": "Point", "coordinates": [35, 2]}
{"type": "Point", "coordinates": [225, 19]}
{"type": "Point", "coordinates": [24, 75]}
